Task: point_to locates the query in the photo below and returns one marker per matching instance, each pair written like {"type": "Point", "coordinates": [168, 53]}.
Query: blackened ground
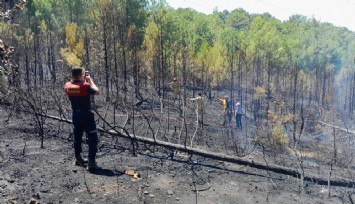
{"type": "Point", "coordinates": [48, 174]}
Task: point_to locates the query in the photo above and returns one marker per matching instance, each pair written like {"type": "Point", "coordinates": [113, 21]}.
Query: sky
{"type": "Point", "coordinates": [338, 12]}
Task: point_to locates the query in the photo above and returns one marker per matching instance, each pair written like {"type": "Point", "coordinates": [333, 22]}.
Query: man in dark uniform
{"type": "Point", "coordinates": [79, 91]}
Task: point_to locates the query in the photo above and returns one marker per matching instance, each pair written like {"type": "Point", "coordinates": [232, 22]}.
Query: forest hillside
{"type": "Point", "coordinates": [294, 79]}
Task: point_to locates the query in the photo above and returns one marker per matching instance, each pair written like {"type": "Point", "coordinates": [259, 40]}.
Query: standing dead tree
{"type": "Point", "coordinates": [34, 103]}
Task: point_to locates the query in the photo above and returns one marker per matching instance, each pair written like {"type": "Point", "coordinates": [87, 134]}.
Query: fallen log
{"type": "Point", "coordinates": [337, 127]}
{"type": "Point", "coordinates": [222, 157]}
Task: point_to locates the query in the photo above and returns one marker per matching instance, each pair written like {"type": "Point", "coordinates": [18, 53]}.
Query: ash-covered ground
{"type": "Point", "coordinates": [48, 175]}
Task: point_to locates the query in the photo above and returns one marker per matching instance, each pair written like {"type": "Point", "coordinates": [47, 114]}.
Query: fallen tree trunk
{"type": "Point", "coordinates": [222, 157]}
{"type": "Point", "coordinates": [337, 127]}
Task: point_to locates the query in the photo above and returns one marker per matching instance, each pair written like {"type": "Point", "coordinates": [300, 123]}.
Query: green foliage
{"type": "Point", "coordinates": [151, 42]}
{"type": "Point", "coordinates": [238, 19]}
{"type": "Point", "coordinates": [74, 51]}
{"type": "Point", "coordinates": [160, 33]}
{"type": "Point", "coordinates": [279, 138]}
{"type": "Point", "coordinates": [216, 62]}
{"type": "Point", "coordinates": [43, 8]}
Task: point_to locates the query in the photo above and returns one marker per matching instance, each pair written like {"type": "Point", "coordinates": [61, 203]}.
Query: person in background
{"type": "Point", "coordinates": [199, 107]}
{"type": "Point", "coordinates": [227, 109]}
{"type": "Point", "coordinates": [79, 91]}
{"type": "Point", "coordinates": [175, 86]}
{"type": "Point", "coordinates": [238, 113]}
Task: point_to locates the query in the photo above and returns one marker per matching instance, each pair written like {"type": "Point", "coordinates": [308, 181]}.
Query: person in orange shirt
{"type": "Point", "coordinates": [227, 109]}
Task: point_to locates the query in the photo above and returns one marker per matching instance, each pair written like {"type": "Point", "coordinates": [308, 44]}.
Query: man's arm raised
{"type": "Point", "coordinates": [93, 85]}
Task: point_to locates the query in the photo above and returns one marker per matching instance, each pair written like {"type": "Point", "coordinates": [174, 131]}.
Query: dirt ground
{"type": "Point", "coordinates": [48, 175]}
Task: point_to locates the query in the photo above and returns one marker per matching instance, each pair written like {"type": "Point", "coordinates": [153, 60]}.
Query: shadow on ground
{"type": "Point", "coordinates": [106, 172]}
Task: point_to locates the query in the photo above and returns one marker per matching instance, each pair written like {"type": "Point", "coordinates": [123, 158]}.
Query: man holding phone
{"type": "Point", "coordinates": [79, 91]}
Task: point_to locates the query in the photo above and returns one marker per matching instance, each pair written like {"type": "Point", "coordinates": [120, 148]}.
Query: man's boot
{"type": "Point", "coordinates": [79, 161]}
{"type": "Point", "coordinates": [92, 166]}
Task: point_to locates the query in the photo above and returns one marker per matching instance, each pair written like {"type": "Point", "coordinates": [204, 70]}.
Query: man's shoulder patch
{"type": "Point", "coordinates": [72, 88]}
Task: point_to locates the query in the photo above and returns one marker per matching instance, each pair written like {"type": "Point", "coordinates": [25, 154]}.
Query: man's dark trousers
{"type": "Point", "coordinates": [239, 120]}
{"type": "Point", "coordinates": [84, 120]}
